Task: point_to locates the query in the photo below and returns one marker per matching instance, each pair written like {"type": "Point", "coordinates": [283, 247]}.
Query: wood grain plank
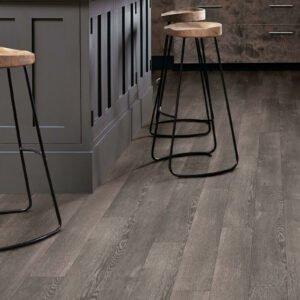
{"type": "Point", "coordinates": [125, 263]}
{"type": "Point", "coordinates": [37, 288]}
{"type": "Point", "coordinates": [190, 295]}
{"type": "Point", "coordinates": [231, 277]}
{"type": "Point", "coordinates": [199, 257]}
{"type": "Point", "coordinates": [271, 114]}
{"type": "Point", "coordinates": [22, 259]}
{"type": "Point", "coordinates": [290, 149]}
{"type": "Point", "coordinates": [56, 261]}
{"type": "Point", "coordinates": [93, 255]}
{"type": "Point", "coordinates": [8, 202]}
{"type": "Point", "coordinates": [240, 209]}
{"type": "Point", "coordinates": [155, 279]}
{"type": "Point", "coordinates": [269, 259]}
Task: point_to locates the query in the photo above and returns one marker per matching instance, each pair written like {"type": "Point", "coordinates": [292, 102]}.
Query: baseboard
{"type": "Point", "coordinates": [117, 139]}
{"type": "Point", "coordinates": [147, 106]}
{"type": "Point", "coordinates": [136, 118]}
{"type": "Point", "coordinates": [110, 147]}
{"type": "Point", "coordinates": [70, 171]}
{"type": "Point", "coordinates": [157, 62]}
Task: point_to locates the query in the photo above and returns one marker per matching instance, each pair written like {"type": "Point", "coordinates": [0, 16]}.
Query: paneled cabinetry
{"type": "Point", "coordinates": [91, 82]}
{"type": "Point", "coordinates": [262, 31]}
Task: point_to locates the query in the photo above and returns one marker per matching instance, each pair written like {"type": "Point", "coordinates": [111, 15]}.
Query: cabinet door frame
{"type": "Point", "coordinates": [67, 110]}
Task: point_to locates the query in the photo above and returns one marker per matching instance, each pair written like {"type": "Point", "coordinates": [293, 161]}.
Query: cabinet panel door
{"type": "Point", "coordinates": [272, 43]}
{"type": "Point", "coordinates": [52, 32]}
{"type": "Point", "coordinates": [55, 38]}
{"type": "Point", "coordinates": [223, 11]}
{"type": "Point", "coordinates": [272, 12]}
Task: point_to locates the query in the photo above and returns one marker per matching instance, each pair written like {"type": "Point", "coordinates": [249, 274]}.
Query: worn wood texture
{"type": "Point", "coordinates": [10, 58]}
{"type": "Point", "coordinates": [184, 15]}
{"type": "Point", "coordinates": [194, 29]}
{"type": "Point", "coordinates": [148, 235]}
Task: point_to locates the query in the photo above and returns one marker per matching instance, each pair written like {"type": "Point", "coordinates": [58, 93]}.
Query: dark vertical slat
{"type": "Point", "coordinates": [147, 35]}
{"type": "Point", "coordinates": [141, 38]}
{"type": "Point", "coordinates": [92, 119]}
{"type": "Point", "coordinates": [91, 25]}
{"type": "Point", "coordinates": [123, 52]}
{"type": "Point", "coordinates": [99, 66]}
{"type": "Point", "coordinates": [109, 59]}
{"type": "Point", "coordinates": [136, 11]}
{"type": "Point", "coordinates": [33, 66]}
{"type": "Point", "coordinates": [132, 42]}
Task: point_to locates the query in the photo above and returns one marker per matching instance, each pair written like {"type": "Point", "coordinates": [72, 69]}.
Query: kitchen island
{"type": "Point", "coordinates": [91, 82]}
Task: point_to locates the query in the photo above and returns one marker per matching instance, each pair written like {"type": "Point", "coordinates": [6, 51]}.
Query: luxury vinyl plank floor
{"type": "Point", "coordinates": [145, 234]}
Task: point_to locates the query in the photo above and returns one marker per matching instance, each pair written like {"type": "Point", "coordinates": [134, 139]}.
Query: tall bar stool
{"type": "Point", "coordinates": [11, 58]}
{"type": "Point", "coordinates": [199, 31]}
{"type": "Point", "coordinates": [175, 16]}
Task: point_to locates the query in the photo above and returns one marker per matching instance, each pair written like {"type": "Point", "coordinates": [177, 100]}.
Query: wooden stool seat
{"type": "Point", "coordinates": [184, 15]}
{"type": "Point", "coordinates": [11, 58]}
{"type": "Point", "coordinates": [194, 29]}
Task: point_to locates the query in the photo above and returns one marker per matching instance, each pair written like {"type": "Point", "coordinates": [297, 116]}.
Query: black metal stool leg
{"type": "Point", "coordinates": [38, 131]}
{"type": "Point", "coordinates": [227, 106]}
{"type": "Point", "coordinates": [177, 105]}
{"type": "Point", "coordinates": [228, 169]}
{"type": "Point", "coordinates": [206, 91]}
{"type": "Point", "coordinates": [160, 97]}
{"type": "Point", "coordinates": [161, 83]}
{"type": "Point", "coordinates": [158, 101]}
{"type": "Point", "coordinates": [208, 113]}
{"type": "Point", "coordinates": [202, 61]}
{"type": "Point", "coordinates": [14, 109]}
{"type": "Point", "coordinates": [43, 155]}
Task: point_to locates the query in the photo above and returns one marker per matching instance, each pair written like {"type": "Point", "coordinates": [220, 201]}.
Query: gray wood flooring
{"type": "Point", "coordinates": [145, 234]}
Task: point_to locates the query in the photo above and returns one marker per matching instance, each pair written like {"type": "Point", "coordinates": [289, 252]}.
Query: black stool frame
{"type": "Point", "coordinates": [207, 96]}
{"type": "Point", "coordinates": [157, 113]}
{"type": "Point", "coordinates": [159, 100]}
{"type": "Point", "coordinates": [40, 152]}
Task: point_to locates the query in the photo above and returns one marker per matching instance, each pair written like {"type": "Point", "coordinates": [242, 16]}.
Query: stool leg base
{"type": "Point", "coordinates": [32, 241]}
{"type": "Point", "coordinates": [159, 112]}
{"type": "Point", "coordinates": [184, 136]}
{"type": "Point", "coordinates": [202, 61]}
{"type": "Point", "coordinates": [159, 99]}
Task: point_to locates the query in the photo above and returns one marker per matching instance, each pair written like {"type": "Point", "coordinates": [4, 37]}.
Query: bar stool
{"type": "Point", "coordinates": [11, 58]}
{"type": "Point", "coordinates": [198, 31]}
{"type": "Point", "coordinates": [174, 16]}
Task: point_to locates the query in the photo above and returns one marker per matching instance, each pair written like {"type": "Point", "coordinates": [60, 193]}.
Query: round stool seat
{"type": "Point", "coordinates": [10, 58]}
{"type": "Point", "coordinates": [184, 15]}
{"type": "Point", "coordinates": [194, 29]}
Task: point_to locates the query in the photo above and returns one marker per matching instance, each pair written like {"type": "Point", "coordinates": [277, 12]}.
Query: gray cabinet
{"type": "Point", "coordinates": [272, 43]}
{"type": "Point", "coordinates": [53, 34]}
{"type": "Point", "coordinates": [272, 12]}
{"type": "Point", "coordinates": [259, 31]}
{"type": "Point", "coordinates": [91, 81]}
